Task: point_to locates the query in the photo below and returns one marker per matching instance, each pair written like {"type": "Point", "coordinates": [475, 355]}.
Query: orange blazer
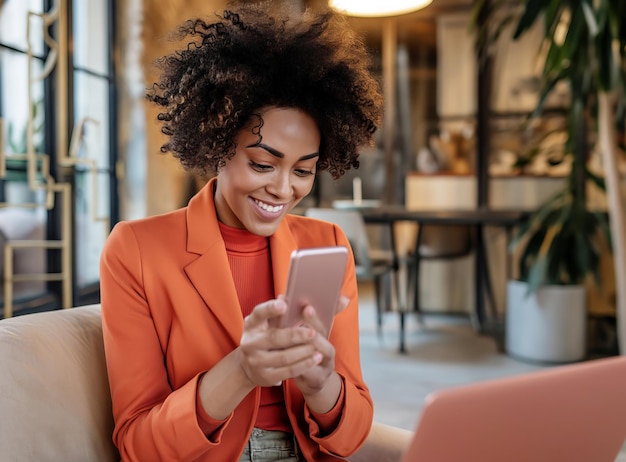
{"type": "Point", "coordinates": [170, 312]}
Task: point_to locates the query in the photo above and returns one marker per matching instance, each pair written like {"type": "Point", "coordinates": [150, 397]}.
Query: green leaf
{"type": "Point", "coordinates": [531, 12]}
{"type": "Point", "coordinates": [556, 255]}
{"type": "Point", "coordinates": [595, 179]}
{"type": "Point", "coordinates": [584, 257]}
{"type": "Point", "coordinates": [553, 65]}
{"type": "Point", "coordinates": [607, 71]}
{"type": "Point", "coordinates": [551, 17]}
{"type": "Point", "coordinates": [602, 13]}
{"type": "Point", "coordinates": [590, 18]}
{"type": "Point", "coordinates": [483, 15]}
{"type": "Point", "coordinates": [573, 38]}
{"type": "Point", "coordinates": [536, 146]}
{"type": "Point", "coordinates": [477, 11]}
{"type": "Point", "coordinates": [521, 232]}
{"type": "Point", "coordinates": [605, 228]}
{"type": "Point", "coordinates": [550, 207]}
{"type": "Point", "coordinates": [616, 17]}
{"type": "Point", "coordinates": [529, 254]}
{"type": "Point", "coordinates": [540, 236]}
{"type": "Point", "coordinates": [547, 89]}
{"type": "Point", "coordinates": [536, 276]}
{"type": "Point", "coordinates": [502, 26]}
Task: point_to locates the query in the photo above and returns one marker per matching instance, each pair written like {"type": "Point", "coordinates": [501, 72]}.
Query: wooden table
{"type": "Point", "coordinates": [479, 219]}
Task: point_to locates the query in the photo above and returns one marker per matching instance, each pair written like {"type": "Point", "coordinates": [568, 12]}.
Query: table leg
{"type": "Point", "coordinates": [487, 321]}
{"type": "Point", "coordinates": [402, 348]}
{"type": "Point", "coordinates": [396, 277]}
{"type": "Point", "coordinates": [479, 276]}
{"type": "Point", "coordinates": [493, 315]}
{"type": "Point", "coordinates": [483, 281]}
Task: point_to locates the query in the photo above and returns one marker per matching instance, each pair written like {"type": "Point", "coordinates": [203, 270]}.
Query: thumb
{"type": "Point", "coordinates": [342, 304]}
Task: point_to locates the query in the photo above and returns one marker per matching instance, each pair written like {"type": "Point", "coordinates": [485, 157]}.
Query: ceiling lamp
{"type": "Point", "coordinates": [377, 8]}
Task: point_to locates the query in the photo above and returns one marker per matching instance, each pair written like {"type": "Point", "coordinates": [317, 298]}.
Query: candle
{"type": "Point", "coordinates": [357, 194]}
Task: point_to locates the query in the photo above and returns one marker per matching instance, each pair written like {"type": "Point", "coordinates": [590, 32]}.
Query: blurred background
{"type": "Point", "coordinates": [79, 145]}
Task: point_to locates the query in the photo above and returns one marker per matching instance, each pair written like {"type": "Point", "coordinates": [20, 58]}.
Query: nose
{"type": "Point", "coordinates": [280, 186]}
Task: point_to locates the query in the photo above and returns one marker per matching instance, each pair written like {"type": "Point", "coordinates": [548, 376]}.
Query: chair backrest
{"type": "Point", "coordinates": [54, 395]}
{"type": "Point", "coordinates": [353, 225]}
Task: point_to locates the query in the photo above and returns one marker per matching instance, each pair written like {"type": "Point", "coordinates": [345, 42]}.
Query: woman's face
{"type": "Point", "coordinates": [264, 180]}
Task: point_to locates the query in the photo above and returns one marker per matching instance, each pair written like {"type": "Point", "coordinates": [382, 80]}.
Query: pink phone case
{"type": "Point", "coordinates": [315, 278]}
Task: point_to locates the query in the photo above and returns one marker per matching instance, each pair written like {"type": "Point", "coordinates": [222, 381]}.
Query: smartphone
{"type": "Point", "coordinates": [315, 278]}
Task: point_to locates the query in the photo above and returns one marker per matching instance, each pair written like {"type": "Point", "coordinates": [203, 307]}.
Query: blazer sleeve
{"type": "Point", "coordinates": [152, 421]}
{"type": "Point", "coordinates": [358, 410]}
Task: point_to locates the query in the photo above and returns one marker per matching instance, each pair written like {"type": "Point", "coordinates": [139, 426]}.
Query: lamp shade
{"type": "Point", "coordinates": [377, 8]}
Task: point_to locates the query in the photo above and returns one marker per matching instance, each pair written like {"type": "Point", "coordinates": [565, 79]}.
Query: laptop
{"type": "Point", "coordinates": [571, 413]}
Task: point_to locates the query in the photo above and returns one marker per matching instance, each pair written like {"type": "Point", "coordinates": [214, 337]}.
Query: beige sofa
{"type": "Point", "coordinates": [54, 396]}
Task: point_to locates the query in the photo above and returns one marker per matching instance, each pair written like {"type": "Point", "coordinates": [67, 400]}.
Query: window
{"type": "Point", "coordinates": [93, 109]}
{"type": "Point", "coordinates": [57, 106]}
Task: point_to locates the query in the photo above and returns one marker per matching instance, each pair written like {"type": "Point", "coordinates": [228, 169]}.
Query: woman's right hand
{"type": "Point", "coordinates": [269, 355]}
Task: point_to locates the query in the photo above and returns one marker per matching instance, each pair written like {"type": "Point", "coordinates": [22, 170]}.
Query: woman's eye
{"type": "Point", "coordinates": [260, 167]}
{"type": "Point", "coordinates": [304, 173]}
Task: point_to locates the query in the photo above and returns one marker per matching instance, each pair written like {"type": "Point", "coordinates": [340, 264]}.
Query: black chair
{"type": "Point", "coordinates": [435, 242]}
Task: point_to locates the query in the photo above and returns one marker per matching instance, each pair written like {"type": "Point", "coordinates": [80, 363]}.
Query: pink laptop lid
{"type": "Point", "coordinates": [572, 413]}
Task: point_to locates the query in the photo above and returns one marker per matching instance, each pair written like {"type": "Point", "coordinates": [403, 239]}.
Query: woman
{"type": "Point", "coordinates": [195, 370]}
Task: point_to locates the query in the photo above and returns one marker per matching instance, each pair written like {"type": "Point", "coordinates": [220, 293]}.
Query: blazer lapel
{"type": "Point", "coordinates": [210, 273]}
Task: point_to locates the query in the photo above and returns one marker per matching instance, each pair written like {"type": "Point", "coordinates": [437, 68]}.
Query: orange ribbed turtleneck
{"type": "Point", "coordinates": [251, 266]}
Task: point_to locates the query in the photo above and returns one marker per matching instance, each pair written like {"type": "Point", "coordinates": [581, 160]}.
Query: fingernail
{"type": "Point", "coordinates": [317, 357]}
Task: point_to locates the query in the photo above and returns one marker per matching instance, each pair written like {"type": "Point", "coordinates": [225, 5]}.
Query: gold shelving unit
{"type": "Point", "coordinates": [38, 164]}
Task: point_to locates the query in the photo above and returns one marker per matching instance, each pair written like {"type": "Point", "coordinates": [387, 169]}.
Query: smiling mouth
{"type": "Point", "coordinates": [269, 208]}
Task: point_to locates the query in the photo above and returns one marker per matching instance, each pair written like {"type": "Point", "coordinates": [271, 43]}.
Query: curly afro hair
{"type": "Point", "coordinates": [251, 59]}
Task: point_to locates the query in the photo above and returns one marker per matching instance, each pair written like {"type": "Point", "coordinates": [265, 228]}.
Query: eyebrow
{"type": "Point", "coordinates": [279, 154]}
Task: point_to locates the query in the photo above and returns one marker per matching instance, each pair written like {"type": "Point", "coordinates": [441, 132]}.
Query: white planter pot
{"type": "Point", "coordinates": [547, 326]}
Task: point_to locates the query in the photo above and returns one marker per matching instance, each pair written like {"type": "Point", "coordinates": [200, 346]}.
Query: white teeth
{"type": "Point", "coordinates": [269, 208]}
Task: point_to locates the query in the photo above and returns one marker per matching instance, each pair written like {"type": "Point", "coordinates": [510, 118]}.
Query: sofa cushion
{"type": "Point", "coordinates": [54, 396]}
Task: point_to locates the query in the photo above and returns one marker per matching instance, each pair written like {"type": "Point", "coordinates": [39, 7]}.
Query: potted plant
{"type": "Point", "coordinates": [546, 318]}
{"type": "Point", "coordinates": [585, 49]}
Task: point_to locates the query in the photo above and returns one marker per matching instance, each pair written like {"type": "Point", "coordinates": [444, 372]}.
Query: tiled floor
{"type": "Point", "coordinates": [446, 352]}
